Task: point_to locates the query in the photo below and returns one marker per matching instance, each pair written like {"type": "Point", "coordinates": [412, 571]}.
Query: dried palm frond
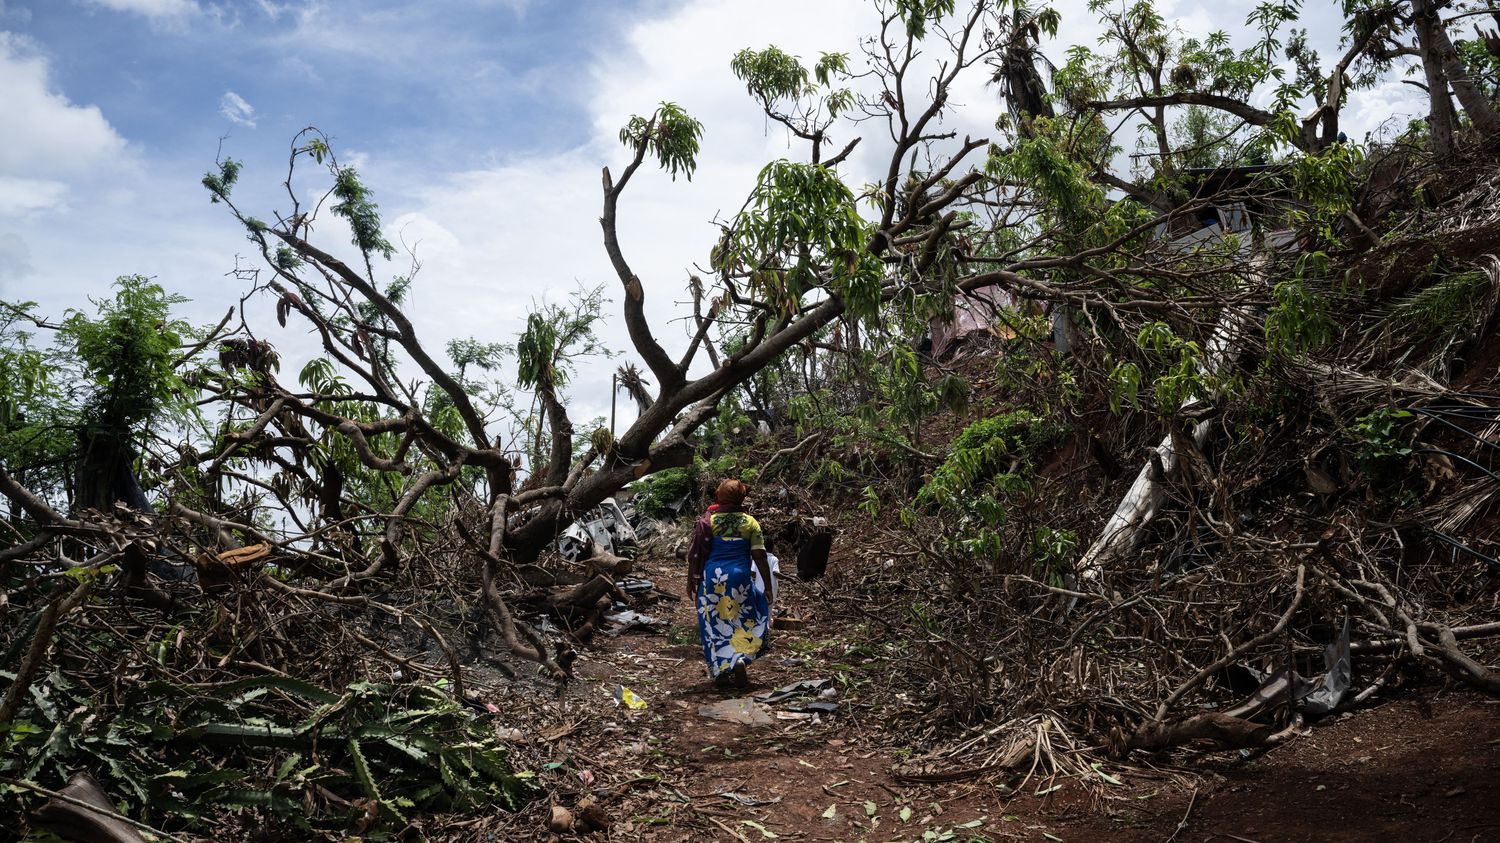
{"type": "Point", "coordinates": [1433, 323]}
{"type": "Point", "coordinates": [1036, 745]}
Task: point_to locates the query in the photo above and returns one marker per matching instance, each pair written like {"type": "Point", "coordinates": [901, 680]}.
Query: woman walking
{"type": "Point", "coordinates": [733, 615]}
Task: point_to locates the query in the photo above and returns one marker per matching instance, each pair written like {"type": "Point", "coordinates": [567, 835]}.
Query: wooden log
{"type": "Point", "coordinates": [604, 563]}
{"type": "Point", "coordinates": [86, 815]}
{"type": "Point", "coordinates": [585, 597]}
{"type": "Point", "coordinates": [1226, 731]}
{"type": "Point", "coordinates": [580, 608]}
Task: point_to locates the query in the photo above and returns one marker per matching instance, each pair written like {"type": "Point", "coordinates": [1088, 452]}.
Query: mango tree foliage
{"type": "Point", "coordinates": [76, 415]}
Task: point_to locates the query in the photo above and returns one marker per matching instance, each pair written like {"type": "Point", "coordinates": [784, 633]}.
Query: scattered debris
{"type": "Point", "coordinates": [644, 525]}
{"type": "Point", "coordinates": [819, 707]}
{"type": "Point", "coordinates": [605, 527]}
{"type": "Point", "coordinates": [635, 586]}
{"type": "Point", "coordinates": [629, 698]}
{"type": "Point", "coordinates": [739, 710]}
{"type": "Point", "coordinates": [1318, 695]}
{"type": "Point", "coordinates": [804, 687]}
{"type": "Point", "coordinates": [627, 620]}
{"type": "Point", "coordinates": [748, 801]}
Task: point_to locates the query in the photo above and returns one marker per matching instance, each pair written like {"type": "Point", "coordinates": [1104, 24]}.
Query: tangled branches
{"type": "Point", "coordinates": [191, 700]}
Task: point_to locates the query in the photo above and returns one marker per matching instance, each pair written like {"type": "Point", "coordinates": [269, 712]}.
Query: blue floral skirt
{"type": "Point", "coordinates": [733, 616]}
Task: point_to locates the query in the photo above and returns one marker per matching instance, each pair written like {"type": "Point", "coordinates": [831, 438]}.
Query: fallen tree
{"type": "Point", "coordinates": [1226, 345]}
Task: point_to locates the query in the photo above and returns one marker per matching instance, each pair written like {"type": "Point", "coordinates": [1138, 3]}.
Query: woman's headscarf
{"type": "Point", "coordinates": [731, 494]}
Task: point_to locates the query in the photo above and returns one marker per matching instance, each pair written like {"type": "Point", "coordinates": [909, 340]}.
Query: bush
{"type": "Point", "coordinates": [989, 459]}
{"type": "Point", "coordinates": [658, 493]}
{"type": "Point", "coordinates": [989, 466]}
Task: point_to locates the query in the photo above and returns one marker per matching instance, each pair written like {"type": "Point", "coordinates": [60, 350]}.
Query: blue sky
{"type": "Point", "coordinates": [481, 124]}
{"type": "Point", "coordinates": [395, 71]}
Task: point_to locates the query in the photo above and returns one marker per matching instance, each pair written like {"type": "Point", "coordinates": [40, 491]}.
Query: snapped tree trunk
{"type": "Point", "coordinates": [1146, 494]}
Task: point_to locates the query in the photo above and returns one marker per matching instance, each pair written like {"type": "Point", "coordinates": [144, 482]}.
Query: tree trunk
{"type": "Point", "coordinates": [1225, 731]}
{"type": "Point", "coordinates": [105, 474]}
{"type": "Point", "coordinates": [1443, 67]}
{"type": "Point", "coordinates": [1481, 111]}
{"type": "Point", "coordinates": [1439, 112]}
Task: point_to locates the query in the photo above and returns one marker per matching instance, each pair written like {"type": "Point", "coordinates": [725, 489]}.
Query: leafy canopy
{"type": "Point", "coordinates": [800, 218]}
{"type": "Point", "coordinates": [670, 134]}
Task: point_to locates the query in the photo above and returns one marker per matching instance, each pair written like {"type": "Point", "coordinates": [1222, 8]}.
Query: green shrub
{"type": "Point", "coordinates": [656, 494]}
{"type": "Point", "coordinates": [988, 465]}
{"type": "Point", "coordinates": [990, 459]}
{"type": "Point", "coordinates": [1382, 443]}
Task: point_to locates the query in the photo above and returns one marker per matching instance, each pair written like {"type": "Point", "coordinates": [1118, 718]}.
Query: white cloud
{"type": "Point", "coordinates": [80, 206]}
{"type": "Point", "coordinates": [15, 258]}
{"type": "Point", "coordinates": [1383, 110]}
{"type": "Point", "coordinates": [236, 110]}
{"type": "Point", "coordinates": [272, 11]}
{"type": "Point", "coordinates": [156, 10]}
{"type": "Point", "coordinates": [46, 141]}
{"type": "Point", "coordinates": [19, 196]}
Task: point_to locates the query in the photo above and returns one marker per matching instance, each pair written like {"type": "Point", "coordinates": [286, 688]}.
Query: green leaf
{"type": "Point", "coordinates": [287, 766]}
{"type": "Point", "coordinates": [234, 691]}
{"type": "Point", "coordinates": [258, 734]}
{"type": "Point", "coordinates": [832, 812]}
{"type": "Point", "coordinates": [362, 771]}
{"type": "Point", "coordinates": [1103, 775]}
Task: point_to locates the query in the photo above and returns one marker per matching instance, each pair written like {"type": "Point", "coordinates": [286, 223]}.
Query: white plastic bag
{"type": "Point", "coordinates": [775, 565]}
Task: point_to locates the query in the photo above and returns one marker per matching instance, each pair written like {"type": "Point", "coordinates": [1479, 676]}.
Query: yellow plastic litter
{"type": "Point", "coordinates": [629, 698]}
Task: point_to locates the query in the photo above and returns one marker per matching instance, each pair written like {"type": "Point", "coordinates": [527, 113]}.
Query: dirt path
{"type": "Point", "coordinates": [1404, 770]}
{"type": "Point", "coordinates": [814, 776]}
